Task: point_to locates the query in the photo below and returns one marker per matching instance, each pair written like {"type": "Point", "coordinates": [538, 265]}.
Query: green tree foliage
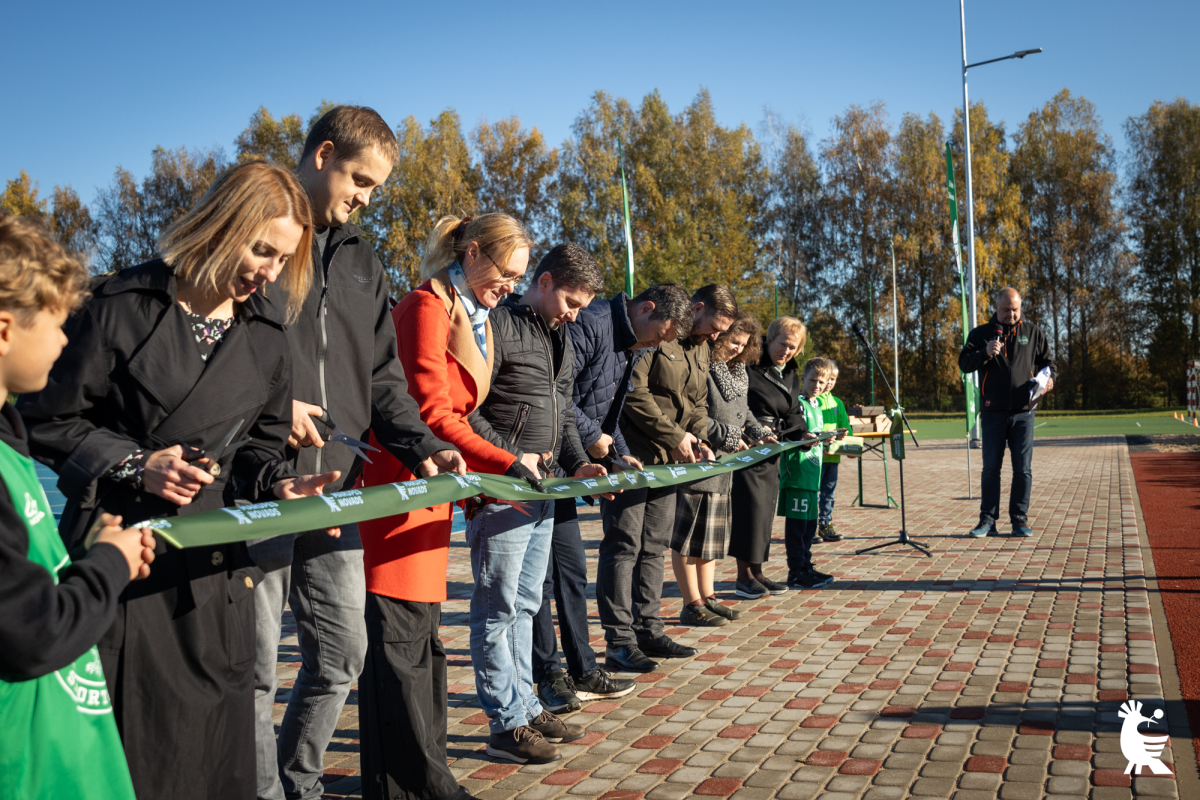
{"type": "Point", "coordinates": [1164, 214]}
{"type": "Point", "coordinates": [697, 194]}
{"type": "Point", "coordinates": [1078, 271]}
{"type": "Point", "coordinates": [279, 141]}
{"type": "Point", "coordinates": [64, 213]}
{"type": "Point", "coordinates": [20, 198]}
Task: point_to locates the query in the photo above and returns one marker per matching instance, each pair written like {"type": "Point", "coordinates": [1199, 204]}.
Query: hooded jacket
{"type": "Point", "coordinates": [344, 357]}
{"type": "Point", "coordinates": [1006, 378]}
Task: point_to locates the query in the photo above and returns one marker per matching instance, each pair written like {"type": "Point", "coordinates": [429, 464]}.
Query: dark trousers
{"type": "Point", "coordinates": [1001, 430]}
{"type": "Point", "coordinates": [798, 535]}
{"type": "Point", "coordinates": [566, 581]}
{"type": "Point", "coordinates": [629, 576]}
{"type": "Point", "coordinates": [402, 703]}
{"type": "Point", "coordinates": [829, 478]}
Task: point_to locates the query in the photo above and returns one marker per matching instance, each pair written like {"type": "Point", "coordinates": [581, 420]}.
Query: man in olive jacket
{"type": "Point", "coordinates": [665, 420]}
{"type": "Point", "coordinates": [1009, 352]}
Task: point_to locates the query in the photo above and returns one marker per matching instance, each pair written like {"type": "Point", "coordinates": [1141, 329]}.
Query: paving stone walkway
{"type": "Point", "coordinates": [996, 668]}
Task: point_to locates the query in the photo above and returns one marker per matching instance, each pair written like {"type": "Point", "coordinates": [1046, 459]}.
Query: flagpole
{"type": "Point", "coordinates": [969, 390]}
{"type": "Point", "coordinates": [628, 229]}
{"type": "Point", "coordinates": [895, 322]}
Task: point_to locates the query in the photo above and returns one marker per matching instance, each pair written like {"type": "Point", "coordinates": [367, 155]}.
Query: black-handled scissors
{"type": "Point", "coordinates": [227, 446]}
{"type": "Point", "coordinates": [358, 446]}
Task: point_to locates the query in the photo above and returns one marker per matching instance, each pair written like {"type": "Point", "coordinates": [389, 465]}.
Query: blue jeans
{"type": "Point", "coordinates": [829, 476]}
{"type": "Point", "coordinates": [566, 582]}
{"type": "Point", "coordinates": [509, 553]}
{"type": "Point", "coordinates": [323, 580]}
{"type": "Point", "coordinates": [1000, 431]}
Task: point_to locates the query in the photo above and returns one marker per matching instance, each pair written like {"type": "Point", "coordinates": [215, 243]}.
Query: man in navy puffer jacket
{"type": "Point", "coordinates": [607, 336]}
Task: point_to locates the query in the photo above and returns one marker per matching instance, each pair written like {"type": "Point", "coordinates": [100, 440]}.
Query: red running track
{"type": "Point", "coordinates": [1168, 485]}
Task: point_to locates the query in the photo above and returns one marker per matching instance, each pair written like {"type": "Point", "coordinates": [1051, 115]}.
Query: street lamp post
{"type": "Point", "coordinates": [962, 18]}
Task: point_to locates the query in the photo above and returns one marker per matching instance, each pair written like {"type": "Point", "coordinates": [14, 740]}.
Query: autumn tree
{"type": "Point", "coordinates": [1001, 254]}
{"type": "Point", "coordinates": [1164, 214]}
{"type": "Point", "coordinates": [63, 213]}
{"type": "Point", "coordinates": [929, 323]}
{"type": "Point", "coordinates": [130, 215]}
{"type": "Point", "coordinates": [1065, 167]}
{"type": "Point", "coordinates": [434, 176]}
{"type": "Point", "coordinates": [795, 216]}
{"type": "Point", "coordinates": [516, 171]}
{"type": "Point", "coordinates": [587, 188]}
{"type": "Point", "coordinates": [279, 141]}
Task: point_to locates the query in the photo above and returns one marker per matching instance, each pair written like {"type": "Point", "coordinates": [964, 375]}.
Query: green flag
{"type": "Point", "coordinates": [970, 390]}
{"type": "Point", "coordinates": [628, 230]}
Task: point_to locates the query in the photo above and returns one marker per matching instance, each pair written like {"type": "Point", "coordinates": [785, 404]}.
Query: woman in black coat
{"type": "Point", "coordinates": [166, 355]}
{"type": "Point", "coordinates": [773, 397]}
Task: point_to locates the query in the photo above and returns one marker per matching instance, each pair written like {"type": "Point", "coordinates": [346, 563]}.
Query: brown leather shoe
{"type": "Point", "coordinates": [554, 729]}
{"type": "Point", "coordinates": [523, 745]}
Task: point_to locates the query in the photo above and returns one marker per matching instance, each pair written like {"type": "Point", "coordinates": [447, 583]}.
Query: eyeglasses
{"type": "Point", "coordinates": [505, 277]}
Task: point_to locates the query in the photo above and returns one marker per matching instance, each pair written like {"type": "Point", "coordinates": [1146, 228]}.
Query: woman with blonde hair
{"type": "Point", "coordinates": [445, 342]}
{"type": "Point", "coordinates": [167, 363]}
{"type": "Point", "coordinates": [773, 393]}
{"type": "Point", "coordinates": [703, 515]}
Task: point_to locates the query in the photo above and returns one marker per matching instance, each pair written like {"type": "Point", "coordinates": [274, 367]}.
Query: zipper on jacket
{"type": "Point", "coordinates": [553, 381]}
{"type": "Point", "coordinates": [519, 425]}
{"type": "Point", "coordinates": [323, 350]}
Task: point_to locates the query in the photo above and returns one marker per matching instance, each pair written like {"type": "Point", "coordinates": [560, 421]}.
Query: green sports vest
{"type": "Point", "coordinates": [801, 469]}
{"type": "Point", "coordinates": [60, 738]}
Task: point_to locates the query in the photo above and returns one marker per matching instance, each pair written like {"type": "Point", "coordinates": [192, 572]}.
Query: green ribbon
{"type": "Point", "coordinates": [282, 517]}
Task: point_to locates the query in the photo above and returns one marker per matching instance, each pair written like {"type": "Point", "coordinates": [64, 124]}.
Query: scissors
{"type": "Point", "coordinates": [227, 446]}
{"type": "Point", "coordinates": [357, 446]}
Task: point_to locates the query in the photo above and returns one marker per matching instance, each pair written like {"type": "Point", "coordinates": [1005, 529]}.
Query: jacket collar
{"type": "Point", "coordinates": [1008, 329]}
{"type": "Point", "coordinates": [461, 344]}
{"type": "Point", "coordinates": [624, 337]}
{"type": "Point", "coordinates": [12, 430]}
{"type": "Point", "coordinates": [155, 277]}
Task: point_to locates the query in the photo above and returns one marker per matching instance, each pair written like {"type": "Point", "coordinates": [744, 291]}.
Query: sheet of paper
{"type": "Point", "coordinates": [1039, 386]}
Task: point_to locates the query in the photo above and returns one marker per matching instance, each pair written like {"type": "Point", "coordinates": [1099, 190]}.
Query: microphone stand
{"type": "Point", "coordinates": [903, 538]}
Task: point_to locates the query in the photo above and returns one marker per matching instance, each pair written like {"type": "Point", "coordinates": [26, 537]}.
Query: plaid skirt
{"type": "Point", "coordinates": [702, 524]}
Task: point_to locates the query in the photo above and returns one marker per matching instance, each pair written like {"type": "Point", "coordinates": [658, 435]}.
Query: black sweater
{"type": "Point", "coordinates": [1006, 378]}
{"type": "Point", "coordinates": [45, 626]}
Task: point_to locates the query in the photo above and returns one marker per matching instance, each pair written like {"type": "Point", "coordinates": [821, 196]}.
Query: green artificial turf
{"type": "Point", "coordinates": [1048, 425]}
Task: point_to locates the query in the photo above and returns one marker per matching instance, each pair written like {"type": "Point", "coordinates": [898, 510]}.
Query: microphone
{"type": "Point", "coordinates": [999, 334]}
{"type": "Point", "coordinates": [858, 329]}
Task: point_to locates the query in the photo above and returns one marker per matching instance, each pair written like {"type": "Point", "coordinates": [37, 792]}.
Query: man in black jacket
{"type": "Point", "coordinates": [527, 412]}
{"type": "Point", "coordinates": [606, 337]}
{"type": "Point", "coordinates": [344, 360]}
{"type": "Point", "coordinates": [1010, 352]}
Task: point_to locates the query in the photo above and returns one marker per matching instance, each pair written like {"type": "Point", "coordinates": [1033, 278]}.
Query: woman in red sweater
{"type": "Point", "coordinates": [445, 348]}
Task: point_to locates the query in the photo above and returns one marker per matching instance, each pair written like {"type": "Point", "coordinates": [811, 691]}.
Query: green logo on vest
{"type": "Point", "coordinates": [1022, 340]}
{"type": "Point", "coordinates": [88, 691]}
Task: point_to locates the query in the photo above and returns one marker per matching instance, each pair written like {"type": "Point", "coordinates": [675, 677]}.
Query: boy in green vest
{"type": "Point", "coordinates": [60, 739]}
{"type": "Point", "coordinates": [836, 418]}
{"type": "Point", "coordinates": [799, 486]}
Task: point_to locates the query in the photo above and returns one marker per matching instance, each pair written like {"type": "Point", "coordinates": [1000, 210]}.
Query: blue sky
{"type": "Point", "coordinates": [90, 85]}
